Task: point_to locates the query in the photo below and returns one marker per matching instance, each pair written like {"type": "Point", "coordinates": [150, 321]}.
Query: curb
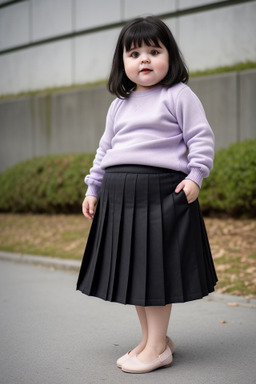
{"type": "Point", "coordinates": [45, 261]}
{"type": "Point", "coordinates": [231, 300]}
{"type": "Point", "coordinates": [74, 266]}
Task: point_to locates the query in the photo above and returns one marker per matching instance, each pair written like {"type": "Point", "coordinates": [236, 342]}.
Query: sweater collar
{"type": "Point", "coordinates": [147, 92]}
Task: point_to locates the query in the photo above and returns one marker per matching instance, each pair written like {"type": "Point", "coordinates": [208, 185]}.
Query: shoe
{"type": "Point", "coordinates": [134, 365]}
{"type": "Point", "coordinates": [125, 357]}
{"type": "Point", "coordinates": [170, 344]}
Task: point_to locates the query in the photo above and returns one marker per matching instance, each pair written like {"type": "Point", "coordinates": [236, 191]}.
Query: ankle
{"type": "Point", "coordinates": [138, 349]}
{"type": "Point", "coordinates": [157, 348]}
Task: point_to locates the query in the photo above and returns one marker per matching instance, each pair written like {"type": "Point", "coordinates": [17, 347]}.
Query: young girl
{"type": "Point", "coordinates": [148, 245]}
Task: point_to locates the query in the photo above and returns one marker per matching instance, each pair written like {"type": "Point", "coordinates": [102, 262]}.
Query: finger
{"type": "Point", "coordinates": [190, 196]}
{"type": "Point", "coordinates": [189, 200]}
{"type": "Point", "coordinates": [91, 210]}
{"type": "Point", "coordinates": [179, 187]}
{"type": "Point", "coordinates": [91, 207]}
{"type": "Point", "coordinates": [85, 209]}
{"type": "Point", "coordinates": [88, 215]}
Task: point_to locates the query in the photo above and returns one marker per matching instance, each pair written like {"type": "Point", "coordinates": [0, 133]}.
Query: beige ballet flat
{"type": "Point", "coordinates": [134, 365]}
{"type": "Point", "coordinates": [125, 357]}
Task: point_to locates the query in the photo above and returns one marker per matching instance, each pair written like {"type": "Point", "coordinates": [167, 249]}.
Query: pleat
{"type": "Point", "coordinates": [211, 276]}
{"type": "Point", "coordinates": [126, 245]}
{"type": "Point", "coordinates": [101, 246]}
{"type": "Point", "coordinates": [105, 249]}
{"type": "Point", "coordinates": [138, 258]}
{"type": "Point", "coordinates": [147, 245]}
{"type": "Point", "coordinates": [89, 273]}
{"type": "Point", "coordinates": [155, 287]}
{"type": "Point", "coordinates": [201, 256]}
{"type": "Point", "coordinates": [117, 229]}
{"type": "Point", "coordinates": [207, 277]}
{"type": "Point", "coordinates": [193, 258]}
{"type": "Point", "coordinates": [171, 250]}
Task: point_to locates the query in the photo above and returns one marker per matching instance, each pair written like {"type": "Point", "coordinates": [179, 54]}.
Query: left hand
{"type": "Point", "coordinates": [190, 188]}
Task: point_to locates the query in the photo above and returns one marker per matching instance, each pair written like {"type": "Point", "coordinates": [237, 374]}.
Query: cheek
{"type": "Point", "coordinates": [130, 68]}
{"type": "Point", "coordinates": [163, 67]}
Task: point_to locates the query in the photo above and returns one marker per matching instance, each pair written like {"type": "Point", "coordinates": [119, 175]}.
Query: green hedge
{"type": "Point", "coordinates": [55, 184]}
{"type": "Point", "coordinates": [231, 186]}
{"type": "Point", "coordinates": [50, 184]}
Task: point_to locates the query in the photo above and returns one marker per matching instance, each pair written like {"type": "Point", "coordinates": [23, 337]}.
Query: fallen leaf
{"type": "Point", "coordinates": [232, 304]}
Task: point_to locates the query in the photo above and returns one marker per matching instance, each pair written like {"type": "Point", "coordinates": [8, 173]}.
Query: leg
{"type": "Point", "coordinates": [157, 325]}
{"type": "Point", "coordinates": [144, 328]}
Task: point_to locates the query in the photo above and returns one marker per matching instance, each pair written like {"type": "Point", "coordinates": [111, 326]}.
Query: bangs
{"type": "Point", "coordinates": [141, 33]}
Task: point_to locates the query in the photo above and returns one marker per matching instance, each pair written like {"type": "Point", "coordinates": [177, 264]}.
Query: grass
{"type": "Point", "coordinates": [237, 274]}
{"type": "Point", "coordinates": [211, 71]}
{"type": "Point", "coordinates": [48, 235]}
{"type": "Point", "coordinates": [52, 90]}
{"type": "Point", "coordinates": [228, 68]}
{"type": "Point", "coordinates": [233, 244]}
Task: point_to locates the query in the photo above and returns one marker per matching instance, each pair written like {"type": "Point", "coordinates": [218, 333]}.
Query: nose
{"type": "Point", "coordinates": [145, 59]}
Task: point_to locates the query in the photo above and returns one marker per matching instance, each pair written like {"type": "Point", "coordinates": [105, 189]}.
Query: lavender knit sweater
{"type": "Point", "coordinates": [161, 127]}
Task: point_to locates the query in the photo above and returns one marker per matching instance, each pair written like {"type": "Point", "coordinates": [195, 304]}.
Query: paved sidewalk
{"type": "Point", "coordinates": [74, 266]}
{"type": "Point", "coordinates": [50, 333]}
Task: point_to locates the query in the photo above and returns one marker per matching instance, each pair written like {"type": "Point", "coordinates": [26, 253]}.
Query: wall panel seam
{"type": "Point", "coordinates": [73, 34]}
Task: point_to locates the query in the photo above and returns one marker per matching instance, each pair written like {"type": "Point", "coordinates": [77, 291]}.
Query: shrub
{"type": "Point", "coordinates": [50, 184]}
{"type": "Point", "coordinates": [231, 186]}
{"type": "Point", "coordinates": [55, 184]}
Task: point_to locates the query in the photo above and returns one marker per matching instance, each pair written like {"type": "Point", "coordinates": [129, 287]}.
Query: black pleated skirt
{"type": "Point", "coordinates": [147, 246]}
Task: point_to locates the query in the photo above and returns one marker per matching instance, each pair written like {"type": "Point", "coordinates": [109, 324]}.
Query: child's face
{"type": "Point", "coordinates": [146, 66]}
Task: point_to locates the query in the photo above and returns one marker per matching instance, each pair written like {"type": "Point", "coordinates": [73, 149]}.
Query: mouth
{"type": "Point", "coordinates": [145, 70]}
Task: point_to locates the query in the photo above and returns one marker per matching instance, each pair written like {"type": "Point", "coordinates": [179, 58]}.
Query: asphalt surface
{"type": "Point", "coordinates": [52, 334]}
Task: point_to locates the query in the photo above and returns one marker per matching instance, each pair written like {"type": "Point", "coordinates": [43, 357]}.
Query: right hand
{"type": "Point", "coordinates": [88, 206]}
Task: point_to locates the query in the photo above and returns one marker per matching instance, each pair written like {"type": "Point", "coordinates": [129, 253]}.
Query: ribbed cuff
{"type": "Point", "coordinates": [196, 175]}
{"type": "Point", "coordinates": [93, 190]}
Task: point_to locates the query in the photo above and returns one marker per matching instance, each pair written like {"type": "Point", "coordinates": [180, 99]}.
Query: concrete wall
{"type": "Point", "coordinates": [73, 121]}
{"type": "Point", "coordinates": [62, 122]}
{"type": "Point", "coordinates": [208, 37]}
{"type": "Point", "coordinates": [229, 102]}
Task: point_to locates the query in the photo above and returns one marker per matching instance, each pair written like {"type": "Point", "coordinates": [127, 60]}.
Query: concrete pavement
{"type": "Point", "coordinates": [50, 333]}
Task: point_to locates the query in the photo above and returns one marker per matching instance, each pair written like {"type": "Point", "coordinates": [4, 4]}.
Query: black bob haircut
{"type": "Point", "coordinates": [146, 30]}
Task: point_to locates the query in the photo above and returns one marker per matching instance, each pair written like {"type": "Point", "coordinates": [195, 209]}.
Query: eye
{"type": "Point", "coordinates": [135, 54]}
{"type": "Point", "coordinates": [154, 52]}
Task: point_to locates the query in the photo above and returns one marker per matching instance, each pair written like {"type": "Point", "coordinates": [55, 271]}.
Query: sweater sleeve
{"type": "Point", "coordinates": [94, 178]}
{"type": "Point", "coordinates": [197, 135]}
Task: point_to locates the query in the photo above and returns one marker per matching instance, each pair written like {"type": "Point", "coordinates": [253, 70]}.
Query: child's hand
{"type": "Point", "coordinates": [88, 206]}
{"type": "Point", "coordinates": [190, 188]}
